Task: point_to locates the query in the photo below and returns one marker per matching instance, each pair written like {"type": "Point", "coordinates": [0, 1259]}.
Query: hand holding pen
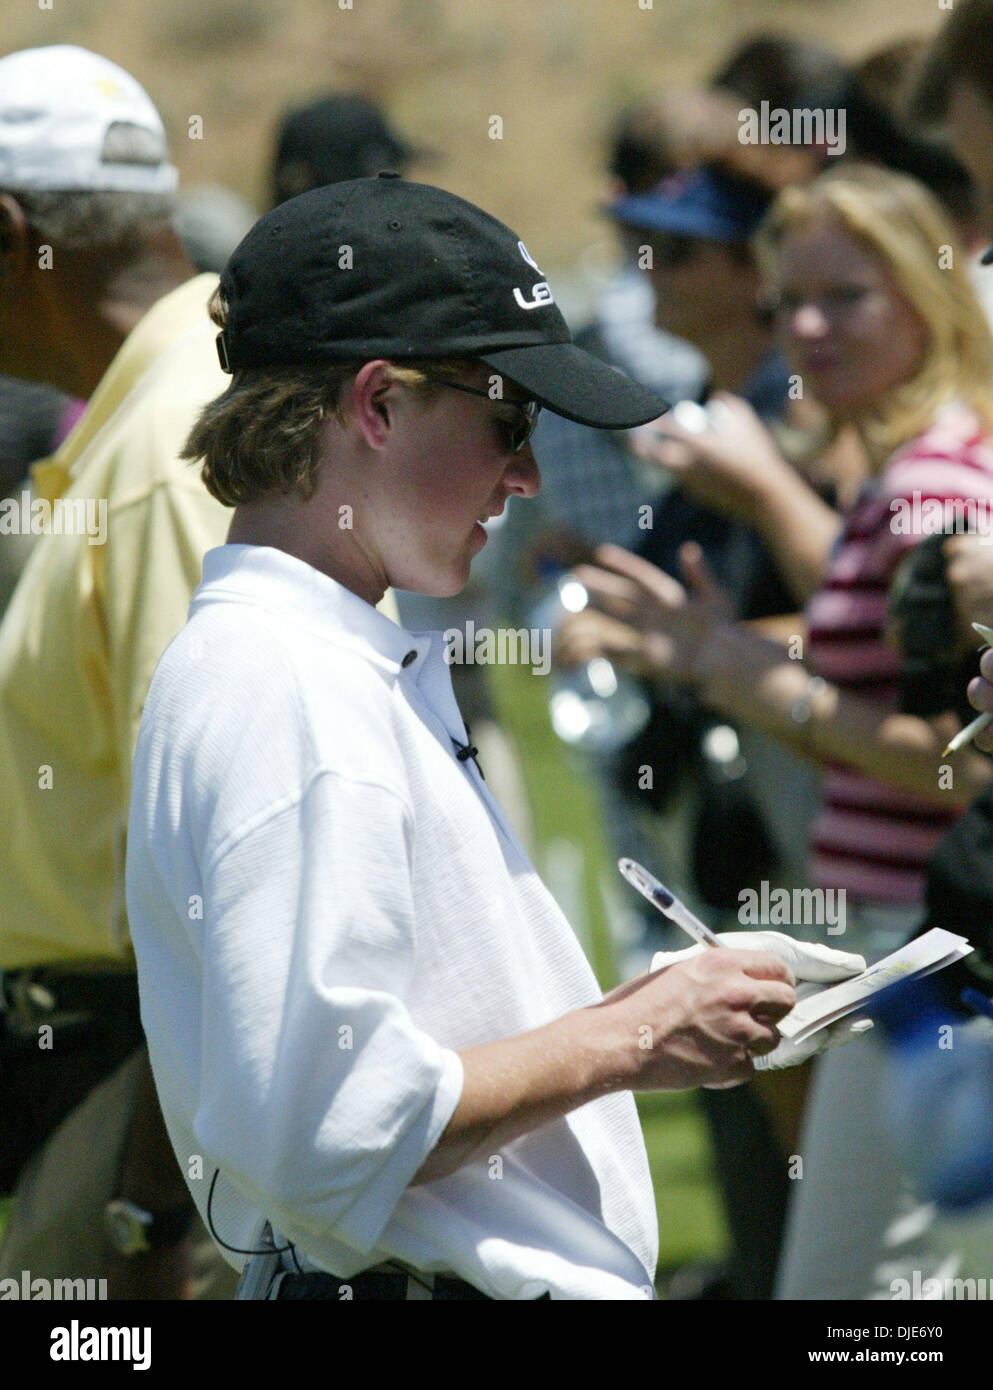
{"type": "Point", "coordinates": [981, 696]}
{"type": "Point", "coordinates": [717, 1000]}
{"type": "Point", "coordinates": [808, 962]}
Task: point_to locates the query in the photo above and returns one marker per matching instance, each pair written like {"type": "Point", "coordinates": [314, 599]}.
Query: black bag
{"type": "Point", "coordinates": [731, 846]}
{"type": "Point", "coordinates": [933, 675]}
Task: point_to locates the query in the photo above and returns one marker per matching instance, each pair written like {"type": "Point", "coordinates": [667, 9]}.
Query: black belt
{"type": "Point", "coordinates": [381, 1286]}
{"type": "Point", "coordinates": [92, 1024]}
{"type": "Point", "coordinates": [48, 987]}
{"type": "Point", "coordinates": [70, 1001]}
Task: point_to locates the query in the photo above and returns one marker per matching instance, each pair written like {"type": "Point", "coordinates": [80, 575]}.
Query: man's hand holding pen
{"type": "Point", "coordinates": [701, 1022]}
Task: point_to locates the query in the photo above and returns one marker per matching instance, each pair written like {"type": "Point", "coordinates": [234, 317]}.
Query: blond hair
{"type": "Point", "coordinates": [261, 435]}
{"type": "Point", "coordinates": [903, 225]}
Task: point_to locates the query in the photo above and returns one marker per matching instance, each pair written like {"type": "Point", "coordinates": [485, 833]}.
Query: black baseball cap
{"type": "Point", "coordinates": [338, 137]}
{"type": "Point", "coordinates": [388, 268]}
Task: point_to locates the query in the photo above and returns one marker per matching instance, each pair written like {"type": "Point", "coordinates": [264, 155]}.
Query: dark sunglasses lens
{"type": "Point", "coordinates": [524, 426]}
{"type": "Point", "coordinates": [675, 250]}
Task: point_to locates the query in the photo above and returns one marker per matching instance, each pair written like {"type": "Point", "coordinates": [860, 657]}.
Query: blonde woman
{"type": "Point", "coordinates": [882, 328]}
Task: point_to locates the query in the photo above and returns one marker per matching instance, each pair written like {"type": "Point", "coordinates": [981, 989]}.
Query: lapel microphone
{"type": "Point", "coordinates": [467, 751]}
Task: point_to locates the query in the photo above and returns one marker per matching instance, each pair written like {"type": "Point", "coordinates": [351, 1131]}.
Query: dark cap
{"type": "Point", "coordinates": [386, 268]}
{"type": "Point", "coordinates": [341, 136]}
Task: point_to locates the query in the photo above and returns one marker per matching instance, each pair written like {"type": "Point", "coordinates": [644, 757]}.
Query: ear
{"type": "Point", "coordinates": [371, 406]}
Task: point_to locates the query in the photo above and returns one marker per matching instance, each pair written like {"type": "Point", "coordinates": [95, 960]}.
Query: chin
{"type": "Point", "coordinates": [453, 586]}
{"type": "Point", "coordinates": [434, 585]}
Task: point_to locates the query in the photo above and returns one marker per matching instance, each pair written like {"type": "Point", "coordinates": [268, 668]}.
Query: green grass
{"type": "Point", "coordinates": [691, 1219]}
{"type": "Point", "coordinates": [564, 809]}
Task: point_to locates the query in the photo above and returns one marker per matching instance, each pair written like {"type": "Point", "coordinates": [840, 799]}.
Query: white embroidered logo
{"type": "Point", "coordinates": [529, 258]}
{"type": "Point", "coordinates": [542, 295]}
{"type": "Point", "coordinates": [541, 292]}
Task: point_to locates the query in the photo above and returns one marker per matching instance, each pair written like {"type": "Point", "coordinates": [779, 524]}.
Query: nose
{"type": "Point", "coordinates": [523, 475]}
{"type": "Point", "coordinates": [809, 321]}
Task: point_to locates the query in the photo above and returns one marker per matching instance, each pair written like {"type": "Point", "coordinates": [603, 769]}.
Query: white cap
{"type": "Point", "coordinates": [60, 110]}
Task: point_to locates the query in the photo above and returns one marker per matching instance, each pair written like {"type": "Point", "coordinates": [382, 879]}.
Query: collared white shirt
{"type": "Point", "coordinates": [325, 905]}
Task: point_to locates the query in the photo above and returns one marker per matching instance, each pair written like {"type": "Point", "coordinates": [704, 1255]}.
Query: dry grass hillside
{"type": "Point", "coordinates": [554, 70]}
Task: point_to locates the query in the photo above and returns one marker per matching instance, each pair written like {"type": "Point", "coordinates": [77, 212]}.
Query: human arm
{"type": "Point", "coordinates": [318, 951]}
{"type": "Point", "coordinates": [696, 1024]}
{"type": "Point", "coordinates": [753, 681]}
{"type": "Point", "coordinates": [734, 466]}
{"type": "Point", "coordinates": [687, 635]}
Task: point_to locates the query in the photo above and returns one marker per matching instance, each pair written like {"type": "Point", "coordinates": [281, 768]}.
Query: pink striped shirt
{"type": "Point", "coordinates": [870, 839]}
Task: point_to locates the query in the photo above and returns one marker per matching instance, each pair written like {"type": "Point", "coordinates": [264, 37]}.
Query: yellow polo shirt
{"type": "Point", "coordinates": [85, 629]}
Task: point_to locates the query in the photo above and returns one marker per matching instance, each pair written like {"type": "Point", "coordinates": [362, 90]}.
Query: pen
{"type": "Point", "coordinates": [977, 726]}
{"type": "Point", "coordinates": [967, 734]}
{"type": "Point", "coordinates": [667, 903]}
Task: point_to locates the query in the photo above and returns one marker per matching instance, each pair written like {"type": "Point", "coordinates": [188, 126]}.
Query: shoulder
{"type": "Point", "coordinates": [248, 708]}
{"type": "Point", "coordinates": [149, 400]}
{"type": "Point", "coordinates": [953, 457]}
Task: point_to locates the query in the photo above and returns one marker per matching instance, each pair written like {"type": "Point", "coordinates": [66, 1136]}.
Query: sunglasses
{"type": "Point", "coordinates": [518, 431]}
{"type": "Point", "coordinates": [673, 250]}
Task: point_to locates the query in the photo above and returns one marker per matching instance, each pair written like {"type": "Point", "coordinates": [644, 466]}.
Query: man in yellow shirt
{"type": "Point", "coordinates": [100, 300]}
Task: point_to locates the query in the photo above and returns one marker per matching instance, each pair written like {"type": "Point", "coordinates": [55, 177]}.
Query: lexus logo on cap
{"type": "Point", "coordinates": [541, 292]}
{"type": "Point", "coordinates": [529, 258]}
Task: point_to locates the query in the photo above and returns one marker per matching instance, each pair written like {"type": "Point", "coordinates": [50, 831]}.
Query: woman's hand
{"type": "Point", "coordinates": [728, 462]}
{"type": "Point", "coordinates": [581, 637]}
{"type": "Point", "coordinates": [644, 619]}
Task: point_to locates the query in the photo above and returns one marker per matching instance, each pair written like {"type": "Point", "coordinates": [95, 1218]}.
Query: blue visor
{"type": "Point", "coordinates": [702, 203]}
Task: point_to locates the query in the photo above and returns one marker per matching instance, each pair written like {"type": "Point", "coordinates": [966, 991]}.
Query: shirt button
{"type": "Point", "coordinates": [411, 656]}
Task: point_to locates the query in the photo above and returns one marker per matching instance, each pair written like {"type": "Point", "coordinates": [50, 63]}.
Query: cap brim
{"type": "Point", "coordinates": [574, 383]}
{"type": "Point", "coordinates": [654, 214]}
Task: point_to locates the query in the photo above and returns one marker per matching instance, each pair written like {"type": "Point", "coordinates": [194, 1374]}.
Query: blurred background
{"type": "Point", "coordinates": [556, 72]}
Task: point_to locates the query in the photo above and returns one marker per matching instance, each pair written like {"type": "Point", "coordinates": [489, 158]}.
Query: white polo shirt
{"type": "Point", "coordinates": [325, 904]}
